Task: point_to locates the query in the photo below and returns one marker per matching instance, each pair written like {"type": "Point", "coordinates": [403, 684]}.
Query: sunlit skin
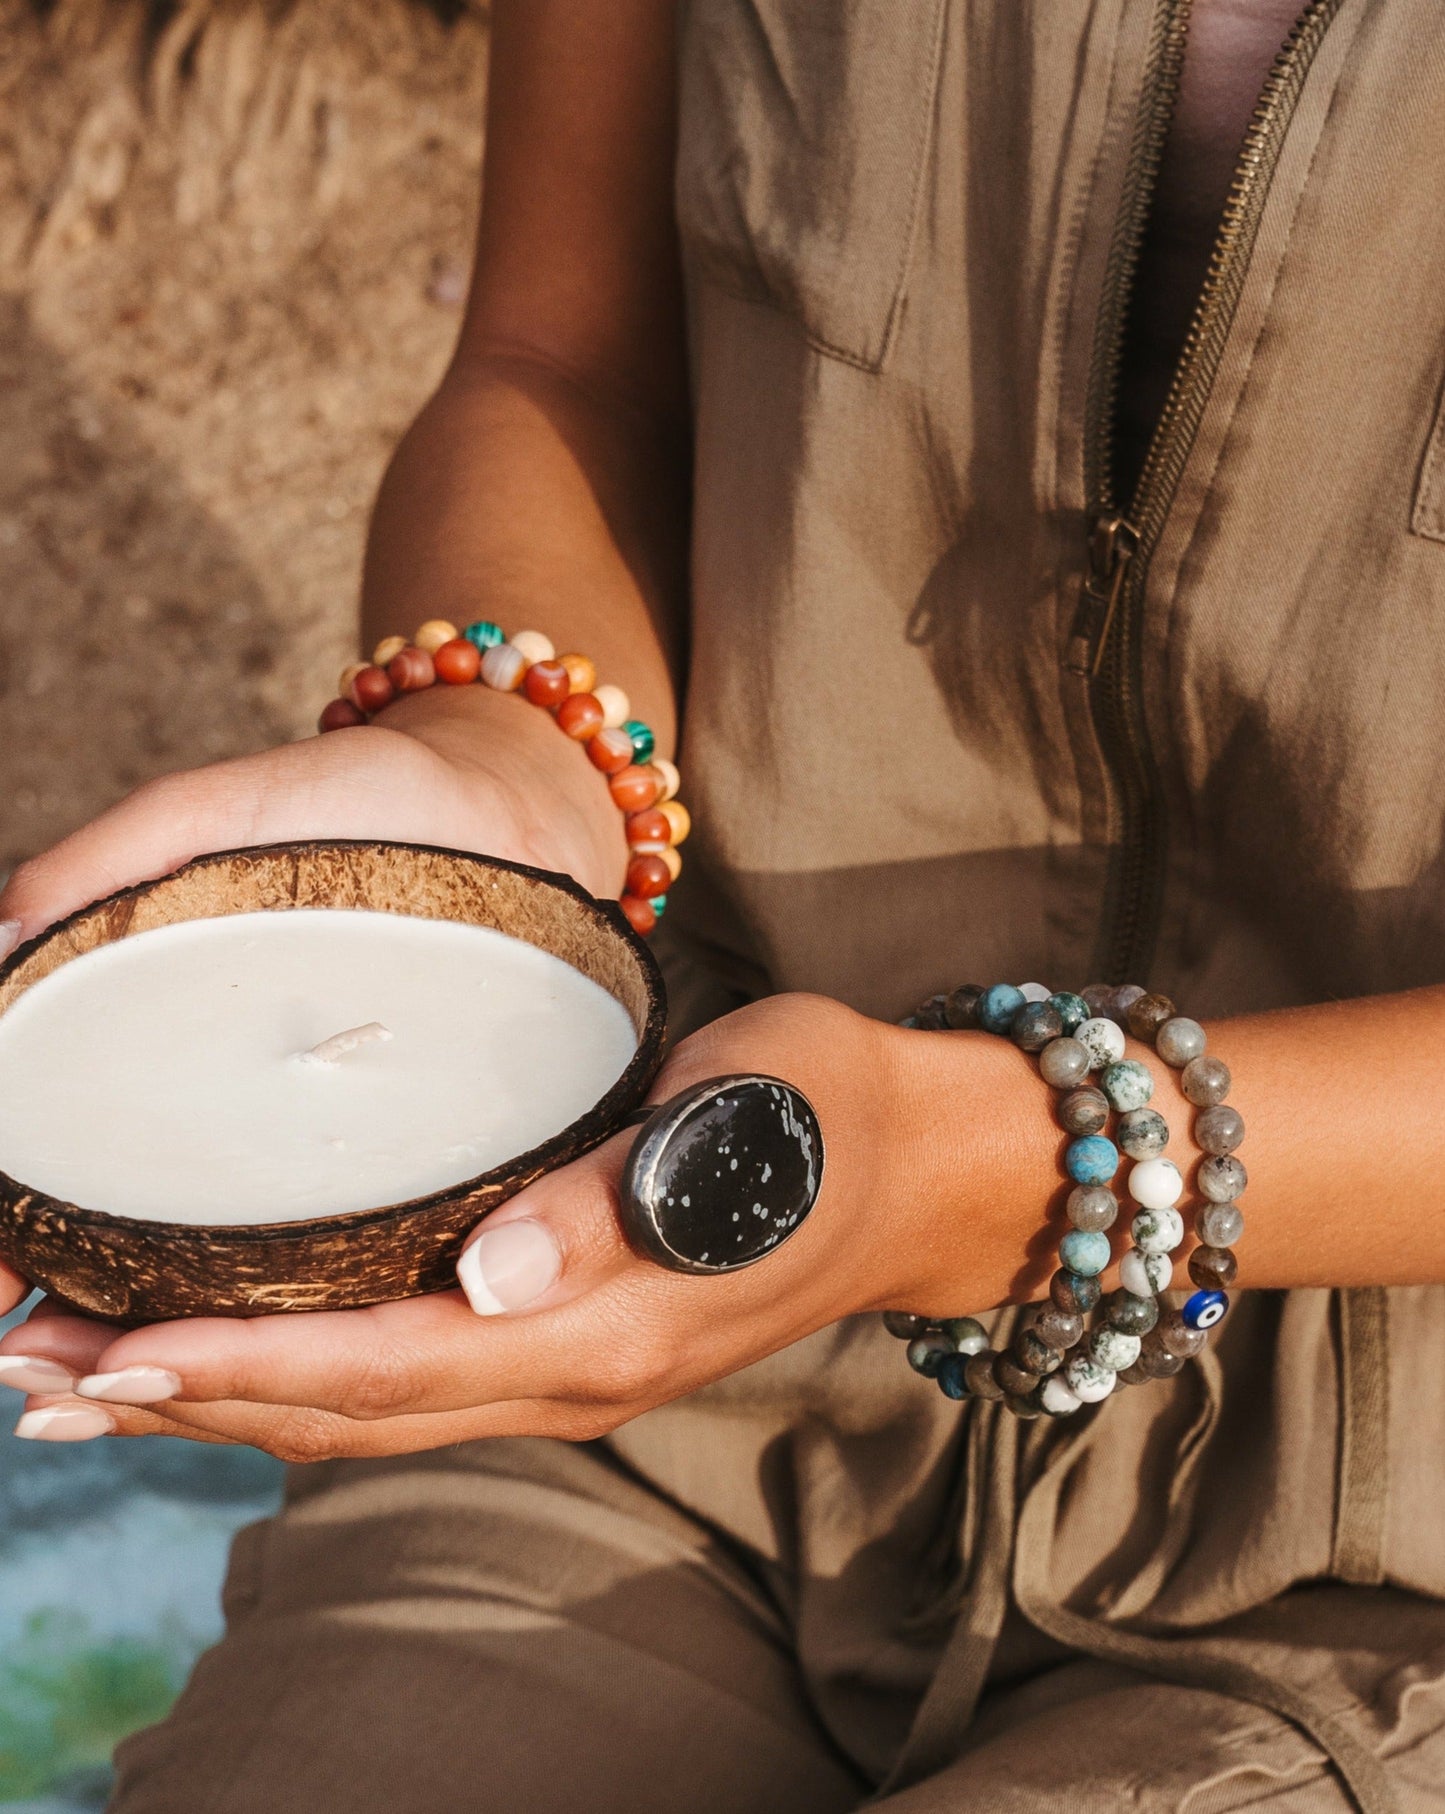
{"type": "Point", "coordinates": [546, 485]}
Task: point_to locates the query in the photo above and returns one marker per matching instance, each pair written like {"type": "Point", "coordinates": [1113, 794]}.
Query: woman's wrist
{"type": "Point", "coordinates": [505, 754]}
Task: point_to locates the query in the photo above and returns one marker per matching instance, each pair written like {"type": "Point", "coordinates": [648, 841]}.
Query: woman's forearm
{"type": "Point", "coordinates": [1344, 1145]}
{"type": "Point", "coordinates": [518, 497]}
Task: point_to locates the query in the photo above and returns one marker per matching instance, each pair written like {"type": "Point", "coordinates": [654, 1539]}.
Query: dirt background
{"type": "Point", "coordinates": [233, 244]}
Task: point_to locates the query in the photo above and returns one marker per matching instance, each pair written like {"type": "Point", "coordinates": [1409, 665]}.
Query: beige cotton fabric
{"type": "Point", "coordinates": [818, 1580]}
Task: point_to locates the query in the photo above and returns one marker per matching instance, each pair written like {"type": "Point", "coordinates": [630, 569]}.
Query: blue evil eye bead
{"type": "Point", "coordinates": [1204, 1309]}
{"type": "Point", "coordinates": [643, 741]}
{"type": "Point", "coordinates": [1071, 1009]}
{"type": "Point", "coordinates": [1092, 1160]}
{"type": "Point", "coordinates": [997, 1007]}
{"type": "Point", "coordinates": [1085, 1251]}
{"type": "Point", "coordinates": [484, 636]}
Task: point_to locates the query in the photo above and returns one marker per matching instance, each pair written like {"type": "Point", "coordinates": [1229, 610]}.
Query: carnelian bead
{"type": "Point", "coordinates": [580, 716]}
{"type": "Point", "coordinates": [372, 689]}
{"type": "Point", "coordinates": [678, 817]}
{"type": "Point", "coordinates": [457, 662]}
{"type": "Point", "coordinates": [411, 671]}
{"type": "Point", "coordinates": [434, 632]}
{"type": "Point", "coordinates": [386, 648]}
{"type": "Point", "coordinates": [546, 684]}
{"type": "Point", "coordinates": [610, 750]}
{"type": "Point", "coordinates": [340, 715]}
{"type": "Point", "coordinates": [647, 876]}
{"type": "Point", "coordinates": [581, 672]}
{"type": "Point", "coordinates": [640, 913]}
{"type": "Point", "coordinates": [668, 777]}
{"type": "Point", "coordinates": [648, 827]}
{"type": "Point", "coordinates": [634, 789]}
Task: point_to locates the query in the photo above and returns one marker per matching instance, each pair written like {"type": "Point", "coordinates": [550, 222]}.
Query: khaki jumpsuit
{"type": "Point", "coordinates": [909, 227]}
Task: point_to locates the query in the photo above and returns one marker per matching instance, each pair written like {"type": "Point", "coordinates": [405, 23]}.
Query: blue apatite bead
{"type": "Point", "coordinates": [950, 1376]}
{"type": "Point", "coordinates": [997, 1007]}
{"type": "Point", "coordinates": [658, 904]}
{"type": "Point", "coordinates": [1092, 1160]}
{"type": "Point", "coordinates": [643, 741]}
{"type": "Point", "coordinates": [1085, 1250]}
{"type": "Point", "coordinates": [1072, 1009]}
{"type": "Point", "coordinates": [484, 636]}
{"type": "Point", "coordinates": [1205, 1309]}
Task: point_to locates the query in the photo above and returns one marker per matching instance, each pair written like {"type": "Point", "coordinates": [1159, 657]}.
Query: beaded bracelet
{"type": "Point", "coordinates": [1055, 1364]}
{"type": "Point", "coordinates": [643, 785]}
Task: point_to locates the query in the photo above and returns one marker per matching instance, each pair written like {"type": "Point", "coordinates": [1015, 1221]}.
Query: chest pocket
{"type": "Point", "coordinates": [805, 131]}
{"type": "Point", "coordinates": [1428, 517]}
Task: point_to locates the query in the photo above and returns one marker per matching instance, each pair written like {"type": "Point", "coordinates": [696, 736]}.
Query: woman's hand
{"type": "Point", "coordinates": [576, 1334]}
{"type": "Point", "coordinates": [464, 767]}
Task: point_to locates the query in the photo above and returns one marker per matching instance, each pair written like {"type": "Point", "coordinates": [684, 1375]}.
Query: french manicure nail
{"type": "Point", "coordinates": [29, 1373]}
{"type": "Point", "coordinates": [9, 937]}
{"type": "Point", "coordinates": [508, 1267]}
{"type": "Point", "coordinates": [64, 1423]}
{"type": "Point", "coordinates": [131, 1385]}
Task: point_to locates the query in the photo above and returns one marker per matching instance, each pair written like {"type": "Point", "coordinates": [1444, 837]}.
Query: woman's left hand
{"type": "Point", "coordinates": [577, 1333]}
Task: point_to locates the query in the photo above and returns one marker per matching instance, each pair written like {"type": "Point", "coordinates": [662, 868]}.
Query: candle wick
{"type": "Point", "coordinates": [339, 1044]}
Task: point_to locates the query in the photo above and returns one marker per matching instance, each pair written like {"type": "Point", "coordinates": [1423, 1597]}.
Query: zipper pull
{"type": "Point", "coordinates": [1111, 548]}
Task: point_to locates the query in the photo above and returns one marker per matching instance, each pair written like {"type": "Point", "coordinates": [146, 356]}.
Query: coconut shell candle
{"type": "Point", "coordinates": [296, 1077]}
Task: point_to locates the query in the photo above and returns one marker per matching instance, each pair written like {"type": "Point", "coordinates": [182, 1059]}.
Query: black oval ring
{"type": "Point", "coordinates": [722, 1174]}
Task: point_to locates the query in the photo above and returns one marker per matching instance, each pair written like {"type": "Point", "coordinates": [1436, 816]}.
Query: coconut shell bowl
{"type": "Point", "coordinates": [132, 1271]}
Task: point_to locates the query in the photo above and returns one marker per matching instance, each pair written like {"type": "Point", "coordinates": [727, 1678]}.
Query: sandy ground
{"type": "Point", "coordinates": [233, 239]}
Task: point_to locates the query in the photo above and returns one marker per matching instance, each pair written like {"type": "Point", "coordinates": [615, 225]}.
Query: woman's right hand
{"type": "Point", "coordinates": [462, 767]}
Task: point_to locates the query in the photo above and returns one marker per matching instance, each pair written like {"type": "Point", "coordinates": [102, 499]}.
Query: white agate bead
{"type": "Point", "coordinates": [1057, 1397]}
{"type": "Point", "coordinates": [671, 780]}
{"type": "Point", "coordinates": [1087, 1380]}
{"type": "Point", "coordinates": [1034, 992]}
{"type": "Point", "coordinates": [533, 646]}
{"type": "Point", "coordinates": [1103, 1040]}
{"type": "Point", "coordinates": [616, 706]}
{"type": "Point", "coordinates": [1113, 1348]}
{"type": "Point", "coordinates": [1157, 1230]}
{"type": "Point", "coordinates": [1156, 1184]}
{"type": "Point", "coordinates": [503, 666]}
{"type": "Point", "coordinates": [1145, 1274]}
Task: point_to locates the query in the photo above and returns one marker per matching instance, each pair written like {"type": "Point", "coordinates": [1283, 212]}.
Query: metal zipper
{"type": "Point", "coordinates": [1105, 640]}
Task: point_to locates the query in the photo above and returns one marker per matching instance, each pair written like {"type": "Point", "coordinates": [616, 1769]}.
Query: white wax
{"type": "Point", "coordinates": [162, 1076]}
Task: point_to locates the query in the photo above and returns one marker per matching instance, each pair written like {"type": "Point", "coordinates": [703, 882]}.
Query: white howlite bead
{"type": "Point", "coordinates": [1157, 1230]}
{"type": "Point", "coordinates": [533, 645]}
{"type": "Point", "coordinates": [616, 706]}
{"type": "Point", "coordinates": [1145, 1274]}
{"type": "Point", "coordinates": [1114, 1349]}
{"type": "Point", "coordinates": [1057, 1397]}
{"type": "Point", "coordinates": [1103, 1040]}
{"type": "Point", "coordinates": [1156, 1184]}
{"type": "Point", "coordinates": [503, 667]}
{"type": "Point", "coordinates": [1087, 1380]}
{"type": "Point", "coordinates": [1034, 992]}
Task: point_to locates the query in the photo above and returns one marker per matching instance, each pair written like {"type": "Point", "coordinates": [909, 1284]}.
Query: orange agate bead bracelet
{"type": "Point", "coordinates": [643, 785]}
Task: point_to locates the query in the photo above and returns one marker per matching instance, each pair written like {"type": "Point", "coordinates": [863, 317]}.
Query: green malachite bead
{"type": "Point", "coordinates": [658, 904]}
{"type": "Point", "coordinates": [484, 636]}
{"type": "Point", "coordinates": [643, 741]}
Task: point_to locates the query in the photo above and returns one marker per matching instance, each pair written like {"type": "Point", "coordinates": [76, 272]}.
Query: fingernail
{"type": "Point", "coordinates": [508, 1267]}
{"type": "Point", "coordinates": [63, 1423]}
{"type": "Point", "coordinates": [9, 937]}
{"type": "Point", "coordinates": [131, 1385]}
{"type": "Point", "coordinates": [27, 1373]}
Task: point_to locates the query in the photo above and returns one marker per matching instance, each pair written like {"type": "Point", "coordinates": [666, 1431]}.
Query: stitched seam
{"type": "Point", "coordinates": [928, 118]}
